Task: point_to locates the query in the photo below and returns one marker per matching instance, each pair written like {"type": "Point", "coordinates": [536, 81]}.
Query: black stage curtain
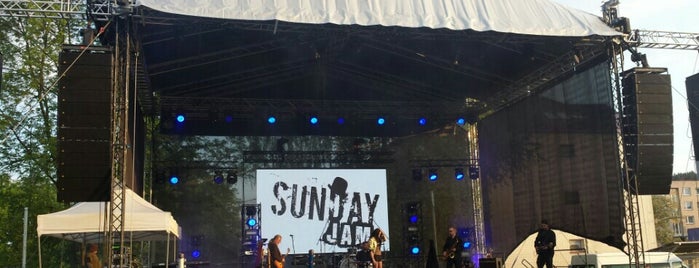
{"type": "Point", "coordinates": [553, 156]}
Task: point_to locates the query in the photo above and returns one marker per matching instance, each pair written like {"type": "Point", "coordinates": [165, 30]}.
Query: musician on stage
{"type": "Point", "coordinates": [276, 258]}
{"type": "Point", "coordinates": [452, 248]}
{"type": "Point", "coordinates": [375, 240]}
{"type": "Point", "coordinates": [544, 244]}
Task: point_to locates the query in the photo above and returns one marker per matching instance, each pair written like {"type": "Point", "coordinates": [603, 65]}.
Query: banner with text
{"type": "Point", "coordinates": [327, 210]}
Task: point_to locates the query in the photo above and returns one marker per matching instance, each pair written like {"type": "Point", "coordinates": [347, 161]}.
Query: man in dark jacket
{"type": "Point", "coordinates": [544, 244]}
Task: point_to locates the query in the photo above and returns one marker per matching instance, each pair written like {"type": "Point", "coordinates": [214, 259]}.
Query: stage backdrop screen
{"type": "Point", "coordinates": [327, 210]}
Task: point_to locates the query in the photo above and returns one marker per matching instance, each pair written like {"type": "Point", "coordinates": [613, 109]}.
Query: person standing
{"type": "Point", "coordinates": [92, 260]}
{"type": "Point", "coordinates": [276, 259]}
{"type": "Point", "coordinates": [452, 249]}
{"type": "Point", "coordinates": [544, 244]}
{"type": "Point", "coordinates": [375, 240]}
{"type": "Point", "coordinates": [181, 261]}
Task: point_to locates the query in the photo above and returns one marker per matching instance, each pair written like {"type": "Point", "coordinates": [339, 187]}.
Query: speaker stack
{"type": "Point", "coordinates": [647, 128]}
{"type": "Point", "coordinates": [84, 126]}
{"type": "Point", "coordinates": [692, 83]}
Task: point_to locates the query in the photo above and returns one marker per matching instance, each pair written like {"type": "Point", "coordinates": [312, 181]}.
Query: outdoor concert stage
{"type": "Point", "coordinates": [538, 79]}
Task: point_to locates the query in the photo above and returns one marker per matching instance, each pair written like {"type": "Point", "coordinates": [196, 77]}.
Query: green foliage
{"type": "Point", "coordinates": [665, 213]}
{"type": "Point", "coordinates": [685, 176]}
{"type": "Point", "coordinates": [202, 207]}
{"type": "Point", "coordinates": [27, 136]}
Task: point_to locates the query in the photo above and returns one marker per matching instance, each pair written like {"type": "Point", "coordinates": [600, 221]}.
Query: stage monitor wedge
{"type": "Point", "coordinates": [84, 126]}
{"type": "Point", "coordinates": [647, 128]}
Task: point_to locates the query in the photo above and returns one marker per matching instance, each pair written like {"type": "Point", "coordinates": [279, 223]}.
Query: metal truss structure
{"type": "Point", "coordinates": [281, 158]}
{"type": "Point", "coordinates": [103, 10]}
{"type": "Point", "coordinates": [664, 39]}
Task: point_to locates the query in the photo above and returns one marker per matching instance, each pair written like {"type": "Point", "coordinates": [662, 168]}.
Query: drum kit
{"type": "Point", "coordinates": [356, 259]}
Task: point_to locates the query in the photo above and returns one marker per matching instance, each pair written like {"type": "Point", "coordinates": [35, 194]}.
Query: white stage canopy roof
{"type": "Point", "coordinates": [530, 17]}
{"type": "Point", "coordinates": [85, 221]}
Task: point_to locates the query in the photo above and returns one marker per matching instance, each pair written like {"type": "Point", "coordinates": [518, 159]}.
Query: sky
{"type": "Point", "coordinates": [668, 15]}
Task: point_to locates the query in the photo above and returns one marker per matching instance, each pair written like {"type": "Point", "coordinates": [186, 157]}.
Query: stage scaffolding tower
{"type": "Point", "coordinates": [476, 189]}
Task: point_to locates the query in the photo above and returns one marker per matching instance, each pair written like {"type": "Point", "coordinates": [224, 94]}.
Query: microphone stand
{"type": "Point", "coordinates": [292, 243]}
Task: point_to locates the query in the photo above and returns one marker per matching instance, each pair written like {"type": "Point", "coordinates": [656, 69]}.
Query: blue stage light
{"type": "Point", "coordinates": [340, 120]}
{"type": "Point", "coordinates": [380, 121]}
{"type": "Point", "coordinates": [196, 254]}
{"type": "Point", "coordinates": [460, 121]}
{"type": "Point", "coordinates": [467, 244]}
{"type": "Point", "coordinates": [174, 179]}
{"type": "Point", "coordinates": [271, 119]}
{"type": "Point", "coordinates": [180, 118]}
{"type": "Point", "coordinates": [218, 178]}
{"type": "Point", "coordinates": [415, 250]}
{"type": "Point", "coordinates": [413, 218]}
{"type": "Point", "coordinates": [432, 175]}
{"type": "Point", "coordinates": [251, 222]}
{"type": "Point", "coordinates": [459, 173]}
{"type": "Point", "coordinates": [313, 120]}
{"type": "Point", "coordinates": [422, 121]}
{"type": "Point", "coordinates": [229, 119]}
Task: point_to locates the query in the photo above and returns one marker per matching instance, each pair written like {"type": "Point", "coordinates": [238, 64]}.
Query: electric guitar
{"type": "Point", "coordinates": [280, 264]}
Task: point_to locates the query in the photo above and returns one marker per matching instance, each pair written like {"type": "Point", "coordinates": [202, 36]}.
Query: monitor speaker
{"type": "Point", "coordinates": [647, 128]}
{"type": "Point", "coordinates": [490, 262]}
{"type": "Point", "coordinates": [84, 126]}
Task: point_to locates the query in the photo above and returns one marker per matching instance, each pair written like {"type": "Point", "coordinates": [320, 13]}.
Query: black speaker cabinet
{"type": "Point", "coordinates": [490, 262]}
{"type": "Point", "coordinates": [692, 83]}
{"type": "Point", "coordinates": [647, 128]}
{"type": "Point", "coordinates": [84, 126]}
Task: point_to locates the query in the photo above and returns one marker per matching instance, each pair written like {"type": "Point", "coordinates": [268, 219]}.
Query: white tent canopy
{"type": "Point", "coordinates": [86, 221]}
{"type": "Point", "coordinates": [531, 17]}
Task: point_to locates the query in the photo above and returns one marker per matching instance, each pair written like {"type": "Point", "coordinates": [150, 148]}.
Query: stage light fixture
{"type": "Point", "coordinates": [271, 120]}
{"type": "Point", "coordinates": [432, 175]}
{"type": "Point", "coordinates": [459, 174]}
{"type": "Point", "coordinates": [422, 121]}
{"type": "Point", "coordinates": [473, 172]}
{"type": "Point", "coordinates": [460, 121]}
{"type": "Point", "coordinates": [251, 222]}
{"type": "Point", "coordinates": [313, 120]}
{"type": "Point", "coordinates": [250, 211]}
{"type": "Point", "coordinates": [414, 250]}
{"type": "Point", "coordinates": [218, 178]}
{"type": "Point", "coordinates": [380, 121]}
{"type": "Point", "coordinates": [229, 119]}
{"type": "Point", "coordinates": [231, 177]}
{"type": "Point", "coordinates": [180, 118]}
{"type": "Point", "coordinates": [174, 180]}
{"type": "Point", "coordinates": [196, 254]}
{"type": "Point", "coordinates": [340, 120]}
{"type": "Point", "coordinates": [467, 244]}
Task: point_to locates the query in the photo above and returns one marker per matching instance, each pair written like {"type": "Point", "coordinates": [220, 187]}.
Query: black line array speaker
{"type": "Point", "coordinates": [692, 83]}
{"type": "Point", "coordinates": [647, 128]}
{"type": "Point", "coordinates": [84, 126]}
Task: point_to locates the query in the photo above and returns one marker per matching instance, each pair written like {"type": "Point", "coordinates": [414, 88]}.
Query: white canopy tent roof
{"type": "Point", "coordinates": [530, 17]}
{"type": "Point", "coordinates": [85, 222]}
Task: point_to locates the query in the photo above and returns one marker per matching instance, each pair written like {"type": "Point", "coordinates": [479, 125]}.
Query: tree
{"type": "Point", "coordinates": [30, 49]}
{"type": "Point", "coordinates": [666, 214]}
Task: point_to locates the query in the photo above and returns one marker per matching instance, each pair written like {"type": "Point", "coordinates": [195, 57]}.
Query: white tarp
{"type": "Point", "coordinates": [85, 221]}
{"type": "Point", "coordinates": [531, 17]}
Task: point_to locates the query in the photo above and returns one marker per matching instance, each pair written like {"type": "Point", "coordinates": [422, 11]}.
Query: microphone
{"type": "Point", "coordinates": [291, 235]}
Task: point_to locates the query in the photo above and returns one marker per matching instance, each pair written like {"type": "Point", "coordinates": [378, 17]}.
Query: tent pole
{"type": "Point", "coordinates": [39, 245]}
{"type": "Point", "coordinates": [167, 250]}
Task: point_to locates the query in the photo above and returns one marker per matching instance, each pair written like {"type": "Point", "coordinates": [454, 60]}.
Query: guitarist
{"type": "Point", "coordinates": [452, 249]}
{"type": "Point", "coordinates": [544, 244]}
{"type": "Point", "coordinates": [276, 258]}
